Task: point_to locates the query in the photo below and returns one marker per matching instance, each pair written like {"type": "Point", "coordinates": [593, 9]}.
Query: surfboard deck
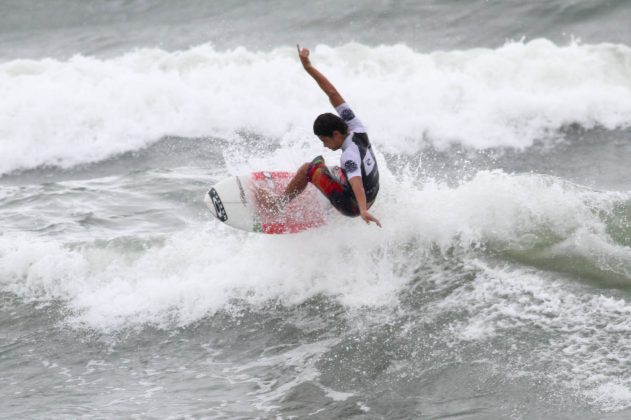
{"type": "Point", "coordinates": [233, 201]}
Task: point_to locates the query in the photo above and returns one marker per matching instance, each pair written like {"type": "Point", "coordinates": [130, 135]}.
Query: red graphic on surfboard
{"type": "Point", "coordinates": [236, 201]}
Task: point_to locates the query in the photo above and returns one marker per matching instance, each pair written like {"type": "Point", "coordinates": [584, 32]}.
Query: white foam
{"type": "Point", "coordinates": [199, 271]}
{"type": "Point", "coordinates": [509, 210]}
{"type": "Point", "coordinates": [86, 109]}
{"type": "Point", "coordinates": [612, 396]}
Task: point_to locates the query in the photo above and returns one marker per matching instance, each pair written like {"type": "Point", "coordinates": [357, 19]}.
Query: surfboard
{"type": "Point", "coordinates": [235, 202]}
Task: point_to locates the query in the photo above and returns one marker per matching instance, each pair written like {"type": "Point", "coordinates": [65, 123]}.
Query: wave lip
{"type": "Point", "coordinates": [82, 110]}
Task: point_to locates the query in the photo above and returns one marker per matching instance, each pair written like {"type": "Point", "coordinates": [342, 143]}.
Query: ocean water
{"type": "Point", "coordinates": [499, 286]}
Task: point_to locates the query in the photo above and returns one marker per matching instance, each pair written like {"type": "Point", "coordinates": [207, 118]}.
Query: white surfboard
{"type": "Point", "coordinates": [233, 202]}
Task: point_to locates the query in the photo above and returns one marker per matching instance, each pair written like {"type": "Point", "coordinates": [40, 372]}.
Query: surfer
{"type": "Point", "coordinates": [352, 187]}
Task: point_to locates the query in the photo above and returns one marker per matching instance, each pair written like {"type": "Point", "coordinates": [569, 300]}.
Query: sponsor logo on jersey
{"type": "Point", "coordinates": [347, 114]}
{"type": "Point", "coordinates": [350, 166]}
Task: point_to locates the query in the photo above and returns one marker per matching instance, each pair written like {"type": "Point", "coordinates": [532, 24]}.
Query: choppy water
{"type": "Point", "coordinates": [499, 286]}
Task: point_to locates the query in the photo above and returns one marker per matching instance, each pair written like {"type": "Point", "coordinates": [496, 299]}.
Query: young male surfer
{"type": "Point", "coordinates": [353, 187]}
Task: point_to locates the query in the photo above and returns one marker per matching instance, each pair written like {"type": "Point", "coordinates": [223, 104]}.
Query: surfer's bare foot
{"type": "Point", "coordinates": [271, 202]}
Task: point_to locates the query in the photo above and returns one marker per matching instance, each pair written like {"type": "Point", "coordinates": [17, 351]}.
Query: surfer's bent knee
{"type": "Point", "coordinates": [314, 165]}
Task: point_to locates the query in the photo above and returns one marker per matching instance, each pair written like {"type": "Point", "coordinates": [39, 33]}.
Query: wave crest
{"type": "Point", "coordinates": [65, 113]}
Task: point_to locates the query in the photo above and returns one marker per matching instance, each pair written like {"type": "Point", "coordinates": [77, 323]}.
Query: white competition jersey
{"type": "Point", "coordinates": [357, 155]}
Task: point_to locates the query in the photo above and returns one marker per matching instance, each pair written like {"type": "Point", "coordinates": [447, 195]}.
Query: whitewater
{"type": "Point", "coordinates": [497, 288]}
{"type": "Point", "coordinates": [508, 97]}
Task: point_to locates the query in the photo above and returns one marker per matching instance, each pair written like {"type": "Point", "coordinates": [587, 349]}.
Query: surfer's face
{"type": "Point", "coordinates": [333, 142]}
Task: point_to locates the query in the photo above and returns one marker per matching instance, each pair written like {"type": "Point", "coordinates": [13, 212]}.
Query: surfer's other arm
{"type": "Point", "coordinates": [326, 86]}
{"type": "Point", "coordinates": [360, 196]}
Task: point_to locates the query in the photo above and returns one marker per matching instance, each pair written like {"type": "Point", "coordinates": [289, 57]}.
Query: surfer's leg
{"type": "Point", "coordinates": [334, 186]}
{"type": "Point", "coordinates": [298, 183]}
{"type": "Point", "coordinates": [269, 202]}
{"type": "Point", "coordinates": [275, 203]}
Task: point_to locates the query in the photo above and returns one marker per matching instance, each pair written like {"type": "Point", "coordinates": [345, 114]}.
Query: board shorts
{"type": "Point", "coordinates": [332, 182]}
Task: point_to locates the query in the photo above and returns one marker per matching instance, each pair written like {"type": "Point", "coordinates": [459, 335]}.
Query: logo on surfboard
{"type": "Point", "coordinates": [218, 205]}
{"type": "Point", "coordinates": [241, 192]}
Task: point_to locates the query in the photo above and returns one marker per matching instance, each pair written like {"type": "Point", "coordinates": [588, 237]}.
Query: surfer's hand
{"type": "Point", "coordinates": [367, 217]}
{"type": "Point", "coordinates": [303, 53]}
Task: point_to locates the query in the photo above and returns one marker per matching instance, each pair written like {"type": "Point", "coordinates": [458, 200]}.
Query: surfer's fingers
{"type": "Point", "coordinates": [370, 218]}
{"type": "Point", "coordinates": [367, 217]}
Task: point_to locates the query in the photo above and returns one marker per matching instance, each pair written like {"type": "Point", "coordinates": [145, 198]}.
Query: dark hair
{"type": "Point", "coordinates": [327, 123]}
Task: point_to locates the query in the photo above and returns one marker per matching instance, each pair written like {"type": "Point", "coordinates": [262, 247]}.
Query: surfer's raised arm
{"type": "Point", "coordinates": [326, 86]}
{"type": "Point", "coordinates": [351, 187]}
